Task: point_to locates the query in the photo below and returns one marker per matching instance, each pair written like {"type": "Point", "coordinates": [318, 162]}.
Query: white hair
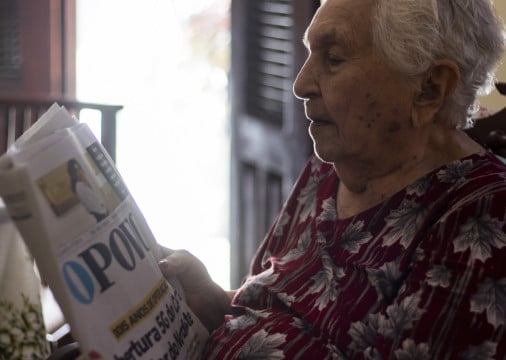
{"type": "Point", "coordinates": [412, 34]}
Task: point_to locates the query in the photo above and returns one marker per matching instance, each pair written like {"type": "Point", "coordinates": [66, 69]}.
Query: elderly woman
{"type": "Point", "coordinates": [392, 243]}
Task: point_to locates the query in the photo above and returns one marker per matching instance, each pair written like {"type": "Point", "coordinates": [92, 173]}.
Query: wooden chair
{"type": "Point", "coordinates": [490, 131]}
{"type": "Point", "coordinates": [18, 114]}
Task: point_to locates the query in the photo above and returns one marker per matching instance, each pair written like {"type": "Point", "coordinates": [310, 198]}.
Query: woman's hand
{"type": "Point", "coordinates": [207, 300]}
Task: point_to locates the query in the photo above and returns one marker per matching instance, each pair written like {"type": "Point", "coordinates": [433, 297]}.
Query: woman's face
{"type": "Point", "coordinates": [359, 109]}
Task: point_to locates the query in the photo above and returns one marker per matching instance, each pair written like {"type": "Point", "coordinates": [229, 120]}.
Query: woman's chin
{"type": "Point", "coordinates": [323, 154]}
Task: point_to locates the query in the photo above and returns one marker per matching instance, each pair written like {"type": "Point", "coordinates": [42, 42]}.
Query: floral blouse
{"type": "Point", "coordinates": [419, 276]}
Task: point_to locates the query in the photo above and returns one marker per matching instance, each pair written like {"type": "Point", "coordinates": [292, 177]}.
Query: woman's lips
{"type": "Point", "coordinates": [320, 122]}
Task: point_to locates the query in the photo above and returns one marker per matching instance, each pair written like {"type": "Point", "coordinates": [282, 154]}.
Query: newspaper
{"type": "Point", "coordinates": [93, 246]}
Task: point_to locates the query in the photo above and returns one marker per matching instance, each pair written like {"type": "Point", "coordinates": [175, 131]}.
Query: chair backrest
{"type": "Point", "coordinates": [18, 114]}
{"type": "Point", "coordinates": [491, 132]}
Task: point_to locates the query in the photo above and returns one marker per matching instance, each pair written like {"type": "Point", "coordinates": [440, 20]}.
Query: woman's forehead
{"type": "Point", "coordinates": [329, 34]}
{"type": "Point", "coordinates": [340, 21]}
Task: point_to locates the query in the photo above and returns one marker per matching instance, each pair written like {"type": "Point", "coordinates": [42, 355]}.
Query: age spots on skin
{"type": "Point", "coordinates": [394, 126]}
{"type": "Point", "coordinates": [369, 121]}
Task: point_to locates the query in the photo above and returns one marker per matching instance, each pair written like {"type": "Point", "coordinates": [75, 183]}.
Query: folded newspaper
{"type": "Point", "coordinates": [93, 246]}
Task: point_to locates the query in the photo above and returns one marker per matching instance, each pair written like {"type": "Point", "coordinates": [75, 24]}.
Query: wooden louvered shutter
{"type": "Point", "coordinates": [10, 48]}
{"type": "Point", "coordinates": [270, 143]}
{"type": "Point", "coordinates": [37, 48]}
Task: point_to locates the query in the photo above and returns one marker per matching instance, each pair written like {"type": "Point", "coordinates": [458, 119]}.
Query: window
{"type": "Point", "coordinates": [167, 63]}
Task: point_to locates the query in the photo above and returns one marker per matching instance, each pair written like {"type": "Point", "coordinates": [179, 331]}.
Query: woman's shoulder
{"type": "Point", "coordinates": [477, 183]}
{"type": "Point", "coordinates": [473, 170]}
{"type": "Point", "coordinates": [484, 170]}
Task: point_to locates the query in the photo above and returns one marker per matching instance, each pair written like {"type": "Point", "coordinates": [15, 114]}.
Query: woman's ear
{"type": "Point", "coordinates": [436, 87]}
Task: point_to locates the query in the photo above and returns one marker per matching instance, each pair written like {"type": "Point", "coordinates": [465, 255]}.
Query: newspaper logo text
{"type": "Point", "coordinates": [125, 247]}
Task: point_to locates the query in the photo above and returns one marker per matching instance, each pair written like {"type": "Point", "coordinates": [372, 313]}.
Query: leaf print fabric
{"type": "Point", "coordinates": [285, 219]}
{"type": "Point", "coordinates": [439, 276]}
{"type": "Point", "coordinates": [354, 237]}
{"type": "Point", "coordinates": [400, 317]}
{"type": "Point", "coordinates": [386, 279]}
{"type": "Point", "coordinates": [405, 221]}
{"type": "Point", "coordinates": [263, 346]}
{"type": "Point", "coordinates": [307, 198]}
{"type": "Point", "coordinates": [254, 285]}
{"type": "Point", "coordinates": [302, 246]}
{"type": "Point", "coordinates": [491, 298]}
{"type": "Point", "coordinates": [485, 351]}
{"type": "Point", "coordinates": [411, 351]}
{"type": "Point", "coordinates": [480, 235]}
{"type": "Point", "coordinates": [244, 321]}
{"type": "Point", "coordinates": [455, 172]}
{"type": "Point", "coordinates": [420, 187]}
{"type": "Point", "coordinates": [329, 212]}
{"type": "Point", "coordinates": [419, 276]}
{"type": "Point", "coordinates": [363, 334]}
{"type": "Point", "coordinates": [325, 282]}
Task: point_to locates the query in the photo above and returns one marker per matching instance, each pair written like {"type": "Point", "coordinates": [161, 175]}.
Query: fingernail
{"type": "Point", "coordinates": [165, 264]}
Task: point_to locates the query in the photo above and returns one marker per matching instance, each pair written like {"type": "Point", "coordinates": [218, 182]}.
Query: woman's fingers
{"type": "Point", "coordinates": [175, 263]}
{"type": "Point", "coordinates": [189, 269]}
{"type": "Point", "coordinates": [208, 301]}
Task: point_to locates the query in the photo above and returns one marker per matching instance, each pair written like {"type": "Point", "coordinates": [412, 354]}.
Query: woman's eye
{"type": "Point", "coordinates": [334, 60]}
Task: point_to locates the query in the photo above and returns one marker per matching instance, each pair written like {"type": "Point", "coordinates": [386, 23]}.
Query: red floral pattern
{"type": "Point", "coordinates": [419, 276]}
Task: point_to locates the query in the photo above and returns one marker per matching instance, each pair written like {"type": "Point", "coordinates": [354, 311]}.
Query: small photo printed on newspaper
{"type": "Point", "coordinates": [79, 184]}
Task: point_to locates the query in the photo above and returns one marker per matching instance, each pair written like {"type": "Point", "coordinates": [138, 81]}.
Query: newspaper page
{"type": "Point", "coordinates": [93, 246]}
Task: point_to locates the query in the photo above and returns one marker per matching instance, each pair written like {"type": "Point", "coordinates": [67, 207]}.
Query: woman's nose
{"type": "Point", "coordinates": [305, 85]}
